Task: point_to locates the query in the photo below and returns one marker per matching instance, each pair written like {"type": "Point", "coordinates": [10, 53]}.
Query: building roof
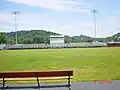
{"type": "Point", "coordinates": [57, 36]}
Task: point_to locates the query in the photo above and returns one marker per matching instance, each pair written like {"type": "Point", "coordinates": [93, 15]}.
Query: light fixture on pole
{"type": "Point", "coordinates": [15, 13]}
{"type": "Point", "coordinates": [94, 13]}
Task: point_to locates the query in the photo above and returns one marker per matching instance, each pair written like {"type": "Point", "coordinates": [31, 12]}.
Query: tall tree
{"type": "Point", "coordinates": [27, 41]}
{"type": "Point", "coordinates": [2, 38]}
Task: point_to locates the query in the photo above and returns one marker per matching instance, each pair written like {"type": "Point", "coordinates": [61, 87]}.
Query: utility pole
{"type": "Point", "coordinates": [94, 13]}
{"type": "Point", "coordinates": [15, 13]}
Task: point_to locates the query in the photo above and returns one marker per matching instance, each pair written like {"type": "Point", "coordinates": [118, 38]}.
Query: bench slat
{"type": "Point", "coordinates": [34, 79]}
{"type": "Point", "coordinates": [55, 73]}
{"type": "Point", "coordinates": [35, 74]}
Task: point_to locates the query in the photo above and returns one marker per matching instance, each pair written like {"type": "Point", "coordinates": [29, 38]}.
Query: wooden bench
{"type": "Point", "coordinates": [43, 74]}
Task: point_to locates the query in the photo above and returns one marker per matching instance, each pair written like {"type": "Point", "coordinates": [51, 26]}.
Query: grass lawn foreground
{"type": "Point", "coordinates": [88, 64]}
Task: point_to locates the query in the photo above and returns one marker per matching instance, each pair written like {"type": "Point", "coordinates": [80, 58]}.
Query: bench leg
{"type": "Point", "coordinates": [69, 88]}
{"type": "Point", "coordinates": [38, 82]}
{"type": "Point", "coordinates": [69, 83]}
{"type": "Point", "coordinates": [3, 84]}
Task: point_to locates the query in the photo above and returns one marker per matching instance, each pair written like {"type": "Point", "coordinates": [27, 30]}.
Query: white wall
{"type": "Point", "coordinates": [56, 40]}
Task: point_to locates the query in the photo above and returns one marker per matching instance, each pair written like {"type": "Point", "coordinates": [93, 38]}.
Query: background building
{"type": "Point", "coordinates": [113, 44]}
{"type": "Point", "coordinates": [56, 39]}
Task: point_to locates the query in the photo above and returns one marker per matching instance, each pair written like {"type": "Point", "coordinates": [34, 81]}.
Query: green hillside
{"type": "Point", "coordinates": [42, 36]}
{"type": "Point", "coordinates": [115, 38]}
{"type": "Point", "coordinates": [30, 37]}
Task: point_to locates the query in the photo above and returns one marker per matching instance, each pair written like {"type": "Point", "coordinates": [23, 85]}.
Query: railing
{"type": "Point", "coordinates": [42, 46]}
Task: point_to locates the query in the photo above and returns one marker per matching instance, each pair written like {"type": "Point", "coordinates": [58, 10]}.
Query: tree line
{"type": "Point", "coordinates": [42, 36]}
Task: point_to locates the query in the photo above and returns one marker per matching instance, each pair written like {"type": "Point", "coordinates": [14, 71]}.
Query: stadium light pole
{"type": "Point", "coordinates": [15, 13]}
{"type": "Point", "coordinates": [94, 14]}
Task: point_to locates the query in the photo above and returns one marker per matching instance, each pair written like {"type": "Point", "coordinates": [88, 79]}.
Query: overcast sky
{"type": "Point", "coordinates": [68, 17]}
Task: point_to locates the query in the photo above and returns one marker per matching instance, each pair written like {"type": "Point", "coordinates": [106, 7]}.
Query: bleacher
{"type": "Point", "coordinates": [2, 46]}
{"type": "Point", "coordinates": [98, 44]}
{"type": "Point", "coordinates": [42, 46]}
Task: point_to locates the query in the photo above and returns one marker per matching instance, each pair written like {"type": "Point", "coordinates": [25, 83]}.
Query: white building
{"type": "Point", "coordinates": [56, 39]}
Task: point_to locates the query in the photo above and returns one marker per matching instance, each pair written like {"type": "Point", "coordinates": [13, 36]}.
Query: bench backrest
{"type": "Point", "coordinates": [35, 74]}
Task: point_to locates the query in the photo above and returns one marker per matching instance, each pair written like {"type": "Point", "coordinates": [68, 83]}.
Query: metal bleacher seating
{"type": "Point", "coordinates": [42, 46]}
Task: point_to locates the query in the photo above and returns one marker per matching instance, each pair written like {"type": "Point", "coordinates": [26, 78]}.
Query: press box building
{"type": "Point", "coordinates": [56, 39]}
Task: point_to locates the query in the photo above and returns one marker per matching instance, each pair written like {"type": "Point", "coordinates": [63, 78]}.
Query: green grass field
{"type": "Point", "coordinates": [88, 64]}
